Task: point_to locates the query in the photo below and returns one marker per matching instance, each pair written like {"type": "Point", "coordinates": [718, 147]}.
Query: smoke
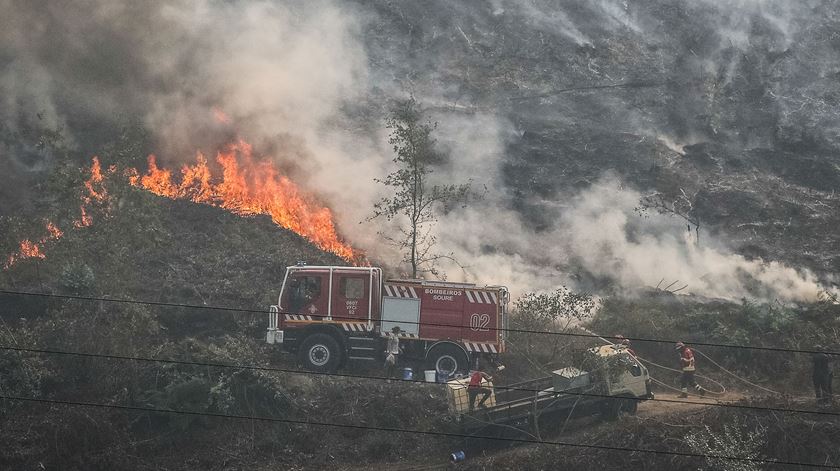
{"type": "Point", "coordinates": [273, 68]}
{"type": "Point", "coordinates": [609, 239]}
{"type": "Point", "coordinates": [551, 20]}
{"type": "Point", "coordinates": [299, 81]}
{"type": "Point", "coordinates": [599, 233]}
{"type": "Point", "coordinates": [596, 232]}
{"type": "Point", "coordinates": [281, 72]}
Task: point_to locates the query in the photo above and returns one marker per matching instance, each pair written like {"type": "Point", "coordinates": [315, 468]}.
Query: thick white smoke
{"type": "Point", "coordinates": [597, 231]}
{"type": "Point", "coordinates": [293, 77]}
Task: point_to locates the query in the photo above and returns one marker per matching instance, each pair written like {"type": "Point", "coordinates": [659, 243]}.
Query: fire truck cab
{"type": "Point", "coordinates": [330, 315]}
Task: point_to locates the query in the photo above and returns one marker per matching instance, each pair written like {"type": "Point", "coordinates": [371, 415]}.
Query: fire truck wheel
{"type": "Point", "coordinates": [320, 352]}
{"type": "Point", "coordinates": [447, 359]}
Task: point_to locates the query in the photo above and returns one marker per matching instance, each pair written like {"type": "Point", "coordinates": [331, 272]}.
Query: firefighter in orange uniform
{"type": "Point", "coordinates": [688, 368]}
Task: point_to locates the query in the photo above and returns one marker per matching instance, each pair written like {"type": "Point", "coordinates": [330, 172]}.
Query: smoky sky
{"type": "Point", "coordinates": [310, 83]}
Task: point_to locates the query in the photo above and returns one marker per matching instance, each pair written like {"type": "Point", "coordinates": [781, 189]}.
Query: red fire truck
{"type": "Point", "coordinates": [331, 314]}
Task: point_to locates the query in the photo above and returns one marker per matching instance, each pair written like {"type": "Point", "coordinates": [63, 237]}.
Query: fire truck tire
{"type": "Point", "coordinates": [447, 359]}
{"type": "Point", "coordinates": [321, 353]}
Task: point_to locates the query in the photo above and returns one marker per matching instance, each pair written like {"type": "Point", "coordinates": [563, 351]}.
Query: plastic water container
{"type": "Point", "coordinates": [408, 374]}
{"type": "Point", "coordinates": [457, 457]}
{"type": "Point", "coordinates": [431, 375]}
{"type": "Point", "coordinates": [442, 377]}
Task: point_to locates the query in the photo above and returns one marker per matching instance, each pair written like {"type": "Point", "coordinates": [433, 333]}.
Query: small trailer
{"type": "Point", "coordinates": [615, 387]}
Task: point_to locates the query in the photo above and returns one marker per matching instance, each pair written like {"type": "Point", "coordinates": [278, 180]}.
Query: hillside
{"type": "Point", "coordinates": [676, 164]}
{"type": "Point", "coordinates": [149, 248]}
{"type": "Point", "coordinates": [729, 103]}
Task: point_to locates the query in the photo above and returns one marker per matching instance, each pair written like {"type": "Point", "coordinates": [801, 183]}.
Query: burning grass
{"type": "Point", "coordinates": [247, 186]}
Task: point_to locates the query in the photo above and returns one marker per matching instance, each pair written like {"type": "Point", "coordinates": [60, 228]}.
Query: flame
{"type": "Point", "coordinates": [247, 187]}
{"type": "Point", "coordinates": [55, 232]}
{"type": "Point", "coordinates": [29, 249]}
{"type": "Point", "coordinates": [96, 192]}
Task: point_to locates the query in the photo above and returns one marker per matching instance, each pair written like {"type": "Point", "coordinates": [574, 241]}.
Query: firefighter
{"type": "Point", "coordinates": [687, 365]}
{"type": "Point", "coordinates": [392, 352]}
{"type": "Point", "coordinates": [822, 376]}
{"type": "Point", "coordinates": [475, 388]}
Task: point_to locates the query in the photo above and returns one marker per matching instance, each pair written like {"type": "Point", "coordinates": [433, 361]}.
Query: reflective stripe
{"type": "Point", "coordinates": [480, 347]}
{"type": "Point", "coordinates": [397, 291]}
{"type": "Point", "coordinates": [482, 297]}
{"type": "Point", "coordinates": [354, 326]}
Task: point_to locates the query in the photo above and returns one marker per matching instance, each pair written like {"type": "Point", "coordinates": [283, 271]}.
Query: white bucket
{"type": "Point", "coordinates": [430, 375]}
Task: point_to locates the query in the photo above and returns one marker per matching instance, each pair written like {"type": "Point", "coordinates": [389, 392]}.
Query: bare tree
{"type": "Point", "coordinates": [414, 201]}
{"type": "Point", "coordinates": [681, 205]}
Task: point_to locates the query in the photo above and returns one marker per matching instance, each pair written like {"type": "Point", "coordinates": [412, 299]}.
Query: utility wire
{"type": "Point", "coordinates": [356, 319]}
{"type": "Point", "coordinates": [381, 378]}
{"type": "Point", "coordinates": [414, 431]}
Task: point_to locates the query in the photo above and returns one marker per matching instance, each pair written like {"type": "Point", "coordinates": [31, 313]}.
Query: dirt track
{"type": "Point", "coordinates": [663, 407]}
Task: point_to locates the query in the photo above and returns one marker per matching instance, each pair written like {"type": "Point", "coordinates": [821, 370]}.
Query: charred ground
{"type": "Point", "coordinates": [748, 127]}
{"type": "Point", "coordinates": [150, 248]}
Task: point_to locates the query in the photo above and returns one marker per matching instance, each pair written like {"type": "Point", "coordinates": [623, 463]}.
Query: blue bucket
{"type": "Point", "coordinates": [408, 375]}
{"type": "Point", "coordinates": [457, 457]}
{"type": "Point", "coordinates": [442, 377]}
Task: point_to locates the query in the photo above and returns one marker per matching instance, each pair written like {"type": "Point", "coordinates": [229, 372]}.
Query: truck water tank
{"type": "Point", "coordinates": [570, 378]}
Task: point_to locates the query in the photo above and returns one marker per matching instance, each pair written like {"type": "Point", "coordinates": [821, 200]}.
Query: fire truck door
{"type": "Point", "coordinates": [307, 295]}
{"type": "Point", "coordinates": [350, 297]}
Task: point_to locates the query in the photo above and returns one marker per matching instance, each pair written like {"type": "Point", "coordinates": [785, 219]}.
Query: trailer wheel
{"type": "Point", "coordinates": [447, 359]}
{"type": "Point", "coordinates": [320, 352]}
{"type": "Point", "coordinates": [612, 409]}
{"type": "Point", "coordinates": [630, 406]}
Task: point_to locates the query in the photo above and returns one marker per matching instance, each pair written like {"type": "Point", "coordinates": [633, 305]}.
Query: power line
{"type": "Point", "coordinates": [357, 319]}
{"type": "Point", "coordinates": [381, 378]}
{"type": "Point", "coordinates": [414, 431]}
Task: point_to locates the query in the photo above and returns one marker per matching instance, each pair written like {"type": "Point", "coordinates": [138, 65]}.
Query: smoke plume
{"type": "Point", "coordinates": [310, 82]}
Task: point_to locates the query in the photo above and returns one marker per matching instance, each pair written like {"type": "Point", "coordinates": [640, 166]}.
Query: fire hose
{"type": "Point", "coordinates": [704, 378]}
{"type": "Point", "coordinates": [736, 376]}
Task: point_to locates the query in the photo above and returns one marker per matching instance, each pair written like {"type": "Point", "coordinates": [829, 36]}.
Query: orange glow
{"type": "Point", "coordinates": [29, 249]}
{"type": "Point", "coordinates": [84, 219]}
{"type": "Point", "coordinates": [242, 185]}
{"type": "Point", "coordinates": [55, 232]}
{"type": "Point", "coordinates": [221, 116]}
{"type": "Point", "coordinates": [95, 192]}
{"type": "Point", "coordinates": [247, 187]}
{"type": "Point", "coordinates": [94, 184]}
